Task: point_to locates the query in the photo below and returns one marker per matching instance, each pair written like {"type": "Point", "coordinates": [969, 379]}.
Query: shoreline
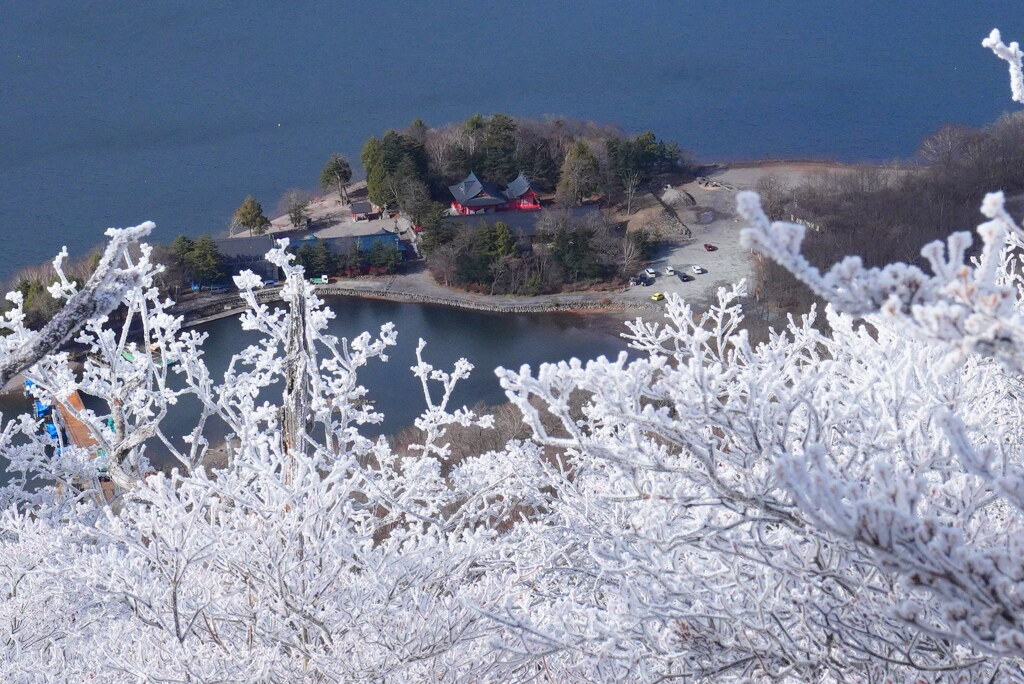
{"type": "Point", "coordinates": [610, 304]}
{"type": "Point", "coordinates": [726, 265]}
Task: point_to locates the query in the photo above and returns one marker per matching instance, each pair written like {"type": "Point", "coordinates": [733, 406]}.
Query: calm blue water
{"type": "Point", "coordinates": [113, 113]}
{"type": "Point", "coordinates": [488, 340]}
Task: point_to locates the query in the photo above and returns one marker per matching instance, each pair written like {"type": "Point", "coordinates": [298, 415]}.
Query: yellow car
{"type": "Point", "coordinates": [657, 296]}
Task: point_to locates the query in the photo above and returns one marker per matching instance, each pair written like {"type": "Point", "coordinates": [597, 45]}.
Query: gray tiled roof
{"type": "Point", "coordinates": [255, 246]}
{"type": "Point", "coordinates": [249, 249]}
{"type": "Point", "coordinates": [519, 186]}
{"type": "Point", "coordinates": [473, 192]}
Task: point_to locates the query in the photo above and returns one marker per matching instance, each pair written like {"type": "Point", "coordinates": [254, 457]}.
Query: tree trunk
{"type": "Point", "coordinates": [295, 398]}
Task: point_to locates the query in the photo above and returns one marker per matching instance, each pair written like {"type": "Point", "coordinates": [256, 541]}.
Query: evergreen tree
{"type": "Point", "coordinates": [624, 158]}
{"type": "Point", "coordinates": [384, 256]}
{"type": "Point", "coordinates": [304, 256]}
{"type": "Point", "coordinates": [316, 258]}
{"type": "Point", "coordinates": [199, 259]}
{"type": "Point", "coordinates": [372, 157]}
{"type": "Point", "coordinates": [181, 248]}
{"type": "Point", "coordinates": [644, 155]}
{"type": "Point", "coordinates": [406, 185]}
{"type": "Point", "coordinates": [573, 250]}
{"type": "Point", "coordinates": [205, 260]}
{"type": "Point", "coordinates": [324, 260]}
{"type": "Point", "coordinates": [353, 259]}
{"type": "Point", "coordinates": [475, 124]}
{"type": "Point", "coordinates": [249, 216]}
{"type": "Point", "coordinates": [500, 241]}
{"type": "Point", "coordinates": [460, 163]}
{"type": "Point", "coordinates": [337, 173]}
{"type": "Point", "coordinates": [499, 149]}
{"type": "Point", "coordinates": [436, 234]}
{"type": "Point", "coordinates": [396, 168]}
{"type": "Point", "coordinates": [426, 214]}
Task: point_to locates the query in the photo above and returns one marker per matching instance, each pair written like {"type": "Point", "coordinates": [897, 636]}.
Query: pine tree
{"type": "Point", "coordinates": [249, 216]}
{"type": "Point", "coordinates": [337, 173]}
{"type": "Point", "coordinates": [499, 149]}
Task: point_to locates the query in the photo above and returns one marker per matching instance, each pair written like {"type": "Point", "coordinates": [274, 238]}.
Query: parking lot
{"type": "Point", "coordinates": [726, 265]}
{"type": "Point", "coordinates": [693, 286]}
{"type": "Point", "coordinates": [729, 263]}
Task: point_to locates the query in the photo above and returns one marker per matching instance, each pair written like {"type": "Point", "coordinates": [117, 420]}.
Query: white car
{"type": "Point", "coordinates": [650, 273]}
{"type": "Point", "coordinates": [670, 271]}
{"type": "Point", "coordinates": [697, 269]}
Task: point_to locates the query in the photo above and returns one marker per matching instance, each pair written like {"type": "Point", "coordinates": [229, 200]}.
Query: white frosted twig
{"type": "Point", "coordinates": [1012, 55]}
{"type": "Point", "coordinates": [100, 295]}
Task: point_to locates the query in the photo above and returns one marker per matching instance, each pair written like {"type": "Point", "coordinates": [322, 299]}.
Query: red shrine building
{"type": "Point", "coordinates": [474, 196]}
{"type": "Point", "coordinates": [522, 194]}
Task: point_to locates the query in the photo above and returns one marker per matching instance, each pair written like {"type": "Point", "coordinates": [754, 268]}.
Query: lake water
{"type": "Point", "coordinates": [113, 113]}
{"type": "Point", "coordinates": [487, 340]}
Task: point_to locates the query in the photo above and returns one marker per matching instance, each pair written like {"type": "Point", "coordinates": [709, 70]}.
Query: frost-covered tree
{"type": "Point", "coordinates": [820, 507]}
{"type": "Point", "coordinates": [314, 554]}
{"type": "Point", "coordinates": [841, 507]}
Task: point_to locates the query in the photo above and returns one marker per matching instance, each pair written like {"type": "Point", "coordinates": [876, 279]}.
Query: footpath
{"type": "Point", "coordinates": [420, 288]}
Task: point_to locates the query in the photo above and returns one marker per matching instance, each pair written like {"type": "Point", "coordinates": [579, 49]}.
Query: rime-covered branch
{"type": "Point", "coordinates": [821, 507]}
{"type": "Point", "coordinates": [1012, 55]}
{"type": "Point", "coordinates": [102, 293]}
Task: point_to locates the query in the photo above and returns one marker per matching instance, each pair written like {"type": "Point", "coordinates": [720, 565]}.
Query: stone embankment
{"type": "Point", "coordinates": [232, 305]}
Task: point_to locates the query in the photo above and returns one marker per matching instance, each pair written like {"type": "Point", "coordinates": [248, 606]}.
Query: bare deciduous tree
{"type": "Point", "coordinates": [630, 184]}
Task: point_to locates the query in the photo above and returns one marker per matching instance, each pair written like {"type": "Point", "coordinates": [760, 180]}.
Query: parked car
{"type": "Point", "coordinates": [697, 269]}
{"type": "Point", "coordinates": [709, 247]}
{"type": "Point", "coordinates": [657, 296]}
{"type": "Point", "coordinates": [220, 289]}
{"type": "Point", "coordinates": [669, 270]}
{"type": "Point", "coordinates": [650, 273]}
{"type": "Point", "coordinates": [269, 282]}
{"type": "Point", "coordinates": [685, 277]}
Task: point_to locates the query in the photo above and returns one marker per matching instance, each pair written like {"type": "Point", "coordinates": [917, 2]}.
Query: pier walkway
{"type": "Point", "coordinates": [81, 436]}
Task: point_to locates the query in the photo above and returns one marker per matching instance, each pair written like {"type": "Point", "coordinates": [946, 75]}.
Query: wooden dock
{"type": "Point", "coordinates": [81, 436]}
{"type": "Point", "coordinates": [77, 432]}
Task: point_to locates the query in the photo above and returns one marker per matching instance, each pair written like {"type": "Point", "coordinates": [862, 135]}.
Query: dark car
{"type": "Point", "coordinates": [709, 247]}
{"type": "Point", "coordinates": [685, 277]}
{"type": "Point", "coordinates": [220, 289]}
